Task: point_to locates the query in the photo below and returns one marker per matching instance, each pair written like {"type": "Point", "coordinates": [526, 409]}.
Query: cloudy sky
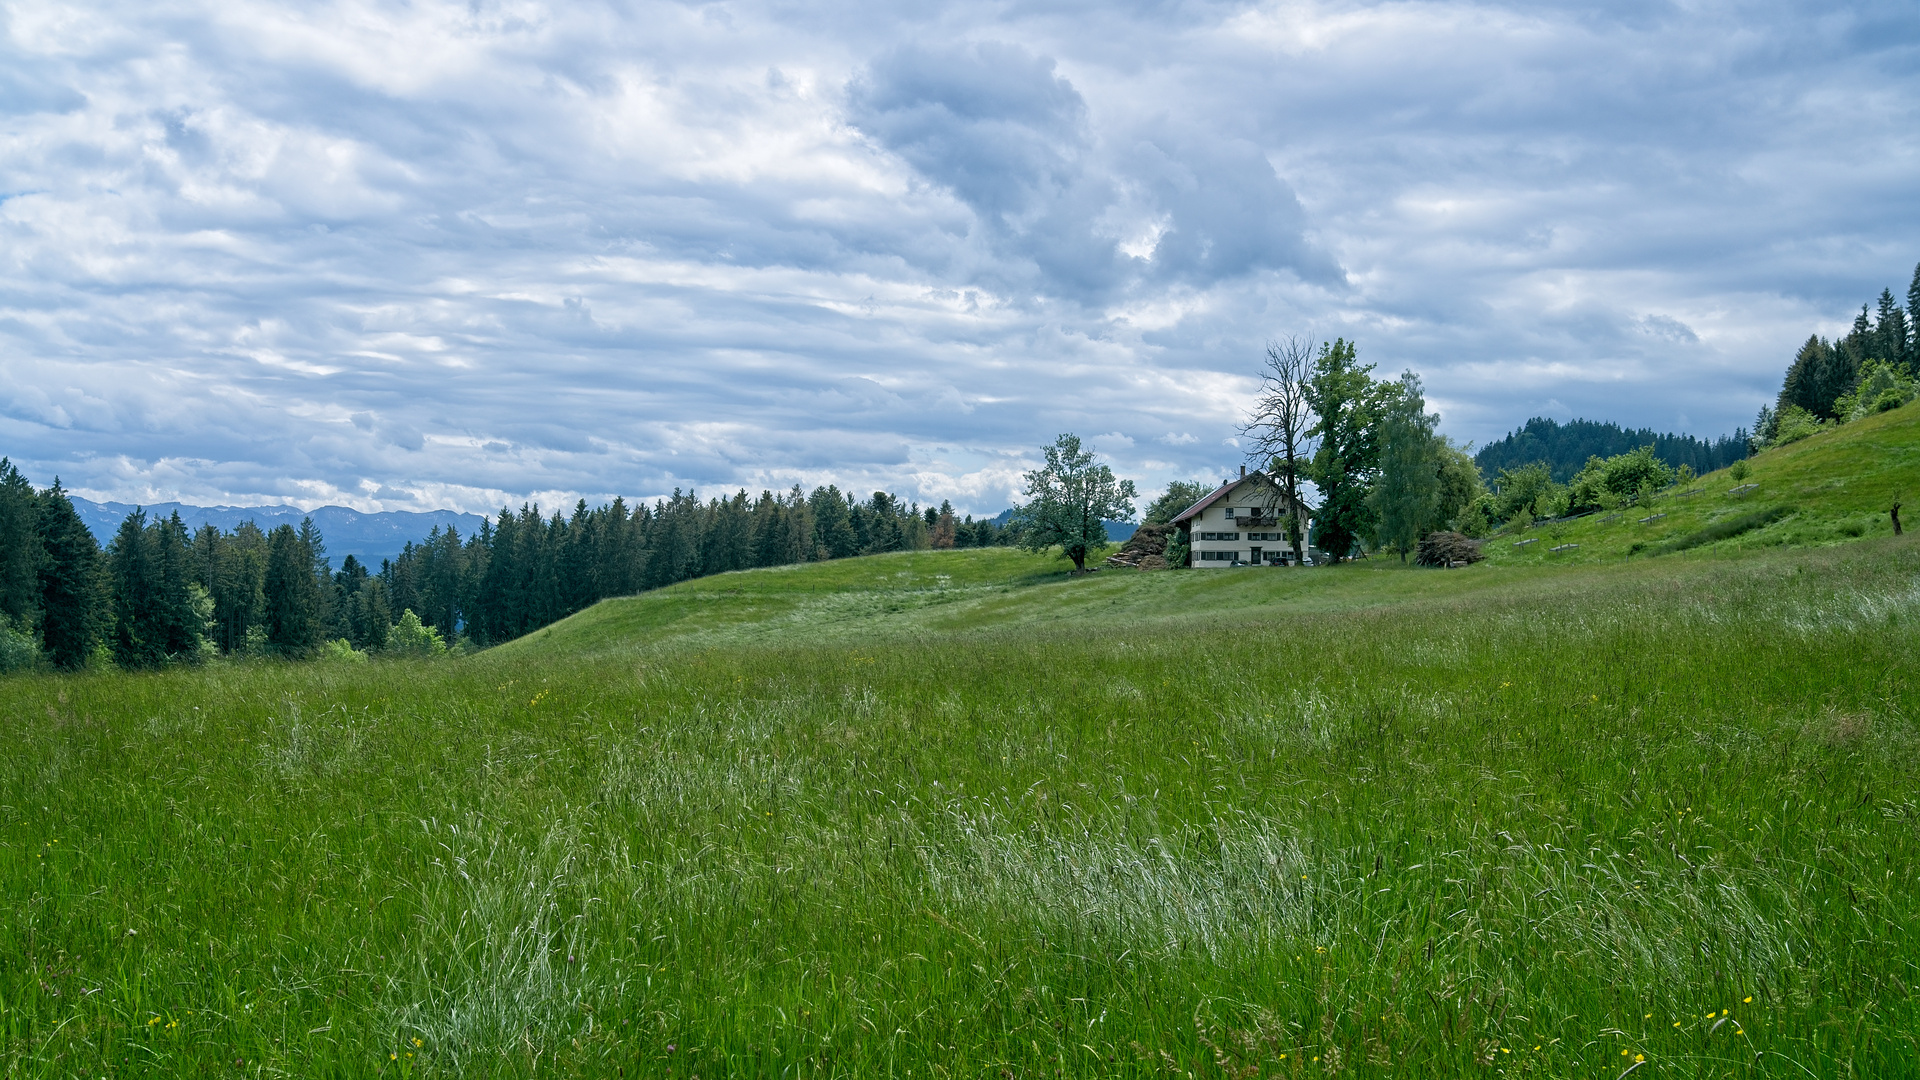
{"type": "Point", "coordinates": [420, 255]}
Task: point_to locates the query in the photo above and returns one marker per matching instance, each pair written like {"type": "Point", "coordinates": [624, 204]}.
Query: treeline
{"type": "Point", "coordinates": [522, 571]}
{"type": "Point", "coordinates": [1566, 448]}
{"type": "Point", "coordinates": [158, 594]}
{"type": "Point", "coordinates": [1874, 368]}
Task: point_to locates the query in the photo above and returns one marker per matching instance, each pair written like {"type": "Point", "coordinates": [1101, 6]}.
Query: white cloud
{"type": "Point", "coordinates": [461, 253]}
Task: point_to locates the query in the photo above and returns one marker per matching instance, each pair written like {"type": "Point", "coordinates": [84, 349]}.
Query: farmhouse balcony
{"type": "Point", "coordinates": [1256, 521]}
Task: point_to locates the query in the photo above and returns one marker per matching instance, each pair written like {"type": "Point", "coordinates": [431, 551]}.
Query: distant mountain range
{"type": "Point", "coordinates": [367, 537]}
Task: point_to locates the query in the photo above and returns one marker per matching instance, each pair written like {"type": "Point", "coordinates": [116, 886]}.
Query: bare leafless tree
{"type": "Point", "coordinates": [1279, 425]}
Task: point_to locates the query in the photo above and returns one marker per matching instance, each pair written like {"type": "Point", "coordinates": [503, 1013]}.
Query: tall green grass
{"type": "Point", "coordinates": [1840, 484]}
{"type": "Point", "coordinates": [1267, 823]}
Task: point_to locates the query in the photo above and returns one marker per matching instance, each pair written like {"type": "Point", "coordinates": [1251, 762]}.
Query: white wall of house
{"type": "Point", "coordinates": [1247, 525]}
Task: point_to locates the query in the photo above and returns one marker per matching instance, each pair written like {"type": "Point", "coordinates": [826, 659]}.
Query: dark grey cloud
{"type": "Point", "coordinates": [459, 254]}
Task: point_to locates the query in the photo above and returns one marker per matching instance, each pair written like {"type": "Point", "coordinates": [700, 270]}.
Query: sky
{"type": "Point", "coordinates": [410, 256]}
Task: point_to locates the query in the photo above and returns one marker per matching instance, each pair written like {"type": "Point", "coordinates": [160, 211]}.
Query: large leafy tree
{"type": "Point", "coordinates": [1070, 498]}
{"type": "Point", "coordinates": [1281, 424]}
{"type": "Point", "coordinates": [69, 581]}
{"type": "Point", "coordinates": [1345, 400]}
{"type": "Point", "coordinates": [1405, 499]}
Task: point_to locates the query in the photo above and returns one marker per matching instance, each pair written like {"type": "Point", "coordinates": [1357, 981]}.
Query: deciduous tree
{"type": "Point", "coordinates": [1405, 499]}
{"type": "Point", "coordinates": [1281, 425]}
{"type": "Point", "coordinates": [1070, 498]}
{"type": "Point", "coordinates": [1345, 401]}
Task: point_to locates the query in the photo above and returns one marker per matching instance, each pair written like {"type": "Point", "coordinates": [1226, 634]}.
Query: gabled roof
{"type": "Point", "coordinates": [1195, 510]}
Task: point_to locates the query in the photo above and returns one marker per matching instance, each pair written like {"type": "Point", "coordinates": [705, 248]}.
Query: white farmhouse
{"type": "Point", "coordinates": [1243, 523]}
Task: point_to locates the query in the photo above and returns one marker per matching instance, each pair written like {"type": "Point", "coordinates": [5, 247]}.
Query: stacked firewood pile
{"type": "Point", "coordinates": [1447, 549]}
{"type": "Point", "coordinates": [1146, 550]}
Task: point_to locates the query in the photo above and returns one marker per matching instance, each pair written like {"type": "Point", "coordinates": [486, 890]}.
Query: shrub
{"type": "Point", "coordinates": [342, 650]}
{"type": "Point", "coordinates": [18, 649]}
{"type": "Point", "coordinates": [411, 637]}
{"type": "Point", "coordinates": [1797, 423]}
{"type": "Point", "coordinates": [1881, 388]}
{"type": "Point", "coordinates": [1605, 483]}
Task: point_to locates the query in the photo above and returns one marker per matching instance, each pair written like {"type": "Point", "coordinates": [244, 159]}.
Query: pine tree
{"type": "Point", "coordinates": [21, 554]}
{"type": "Point", "coordinates": [69, 581]}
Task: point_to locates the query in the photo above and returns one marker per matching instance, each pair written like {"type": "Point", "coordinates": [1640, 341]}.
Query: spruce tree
{"type": "Point", "coordinates": [133, 582]}
{"type": "Point", "coordinates": [832, 523]}
{"type": "Point", "coordinates": [69, 581]}
{"type": "Point", "coordinates": [177, 620]}
{"type": "Point", "coordinates": [1913, 325]}
{"type": "Point", "coordinates": [1890, 331]}
{"type": "Point", "coordinates": [21, 554]}
{"type": "Point", "coordinates": [292, 601]}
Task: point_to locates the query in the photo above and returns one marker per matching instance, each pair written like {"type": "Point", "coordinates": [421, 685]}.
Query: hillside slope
{"type": "Point", "coordinates": [1831, 488]}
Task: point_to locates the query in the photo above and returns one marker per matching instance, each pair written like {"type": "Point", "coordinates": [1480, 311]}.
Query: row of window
{"type": "Point", "coordinates": [1236, 536]}
{"type": "Point", "coordinates": [1276, 558]}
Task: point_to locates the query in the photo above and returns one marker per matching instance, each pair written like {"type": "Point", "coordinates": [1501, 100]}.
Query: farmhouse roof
{"type": "Point", "coordinates": [1195, 510]}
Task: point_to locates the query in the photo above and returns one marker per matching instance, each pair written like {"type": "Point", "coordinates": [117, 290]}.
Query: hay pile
{"type": "Point", "coordinates": [1145, 550]}
{"type": "Point", "coordinates": [1446, 549]}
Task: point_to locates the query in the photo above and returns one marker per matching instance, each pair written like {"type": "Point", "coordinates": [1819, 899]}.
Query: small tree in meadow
{"type": "Point", "coordinates": [1070, 499]}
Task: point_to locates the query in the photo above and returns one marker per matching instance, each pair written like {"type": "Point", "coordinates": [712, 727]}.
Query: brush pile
{"type": "Point", "coordinates": [1145, 550]}
{"type": "Point", "coordinates": [1447, 549]}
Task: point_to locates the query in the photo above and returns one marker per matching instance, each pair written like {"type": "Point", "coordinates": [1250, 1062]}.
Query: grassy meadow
{"type": "Point", "coordinates": [956, 814]}
{"type": "Point", "coordinates": [1832, 488]}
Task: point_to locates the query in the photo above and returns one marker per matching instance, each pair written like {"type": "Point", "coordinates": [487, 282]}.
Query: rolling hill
{"type": "Point", "coordinates": [1831, 488]}
{"type": "Point", "coordinates": [961, 814]}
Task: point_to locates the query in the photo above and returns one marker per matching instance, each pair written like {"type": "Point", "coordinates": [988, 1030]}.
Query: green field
{"type": "Point", "coordinates": [951, 814]}
{"type": "Point", "coordinates": [1831, 488]}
